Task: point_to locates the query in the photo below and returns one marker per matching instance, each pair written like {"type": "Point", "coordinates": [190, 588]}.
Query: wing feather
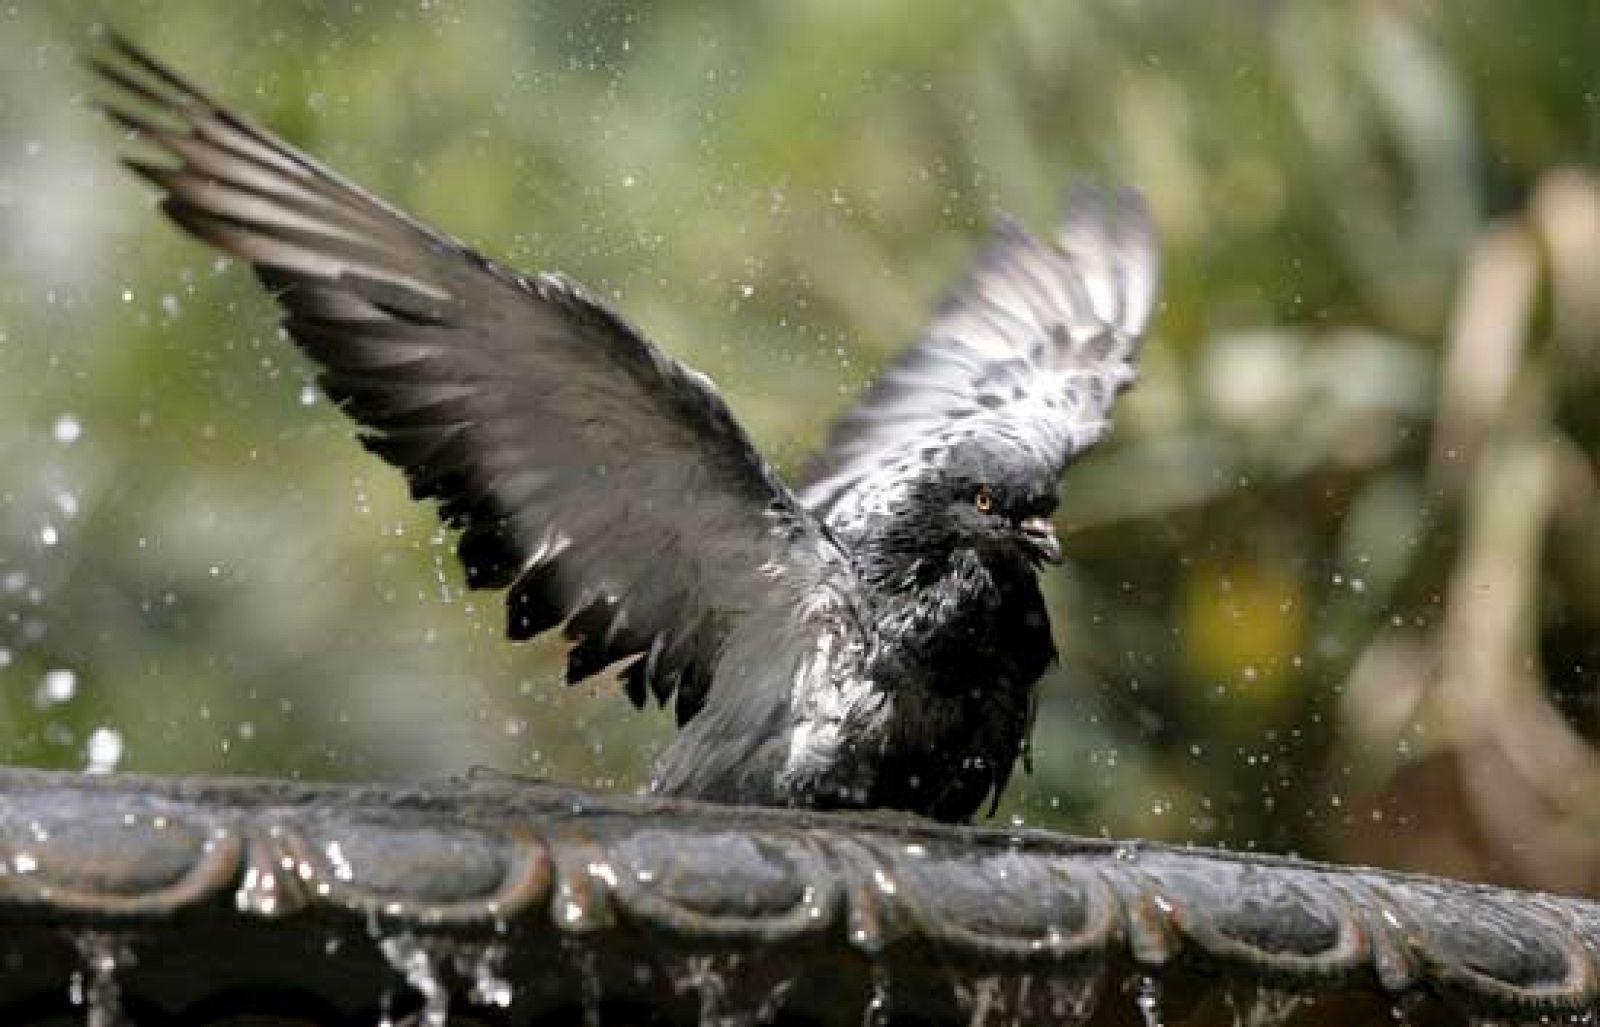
{"type": "Point", "coordinates": [605, 485]}
{"type": "Point", "coordinates": [1031, 348]}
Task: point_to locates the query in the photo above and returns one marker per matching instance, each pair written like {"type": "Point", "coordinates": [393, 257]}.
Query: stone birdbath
{"type": "Point", "coordinates": [229, 902]}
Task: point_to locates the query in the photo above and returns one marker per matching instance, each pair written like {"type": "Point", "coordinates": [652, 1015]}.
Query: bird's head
{"type": "Point", "coordinates": [999, 501]}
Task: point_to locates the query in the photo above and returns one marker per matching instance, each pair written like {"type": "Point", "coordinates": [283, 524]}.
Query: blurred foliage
{"type": "Point", "coordinates": [1335, 582]}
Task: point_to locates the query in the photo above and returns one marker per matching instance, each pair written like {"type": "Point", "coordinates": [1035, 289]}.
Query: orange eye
{"type": "Point", "coordinates": [984, 500]}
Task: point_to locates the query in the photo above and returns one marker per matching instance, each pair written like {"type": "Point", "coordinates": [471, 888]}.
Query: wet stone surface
{"type": "Point", "coordinates": [141, 900]}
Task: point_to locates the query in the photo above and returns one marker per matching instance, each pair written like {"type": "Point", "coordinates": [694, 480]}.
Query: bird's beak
{"type": "Point", "coordinates": [1039, 535]}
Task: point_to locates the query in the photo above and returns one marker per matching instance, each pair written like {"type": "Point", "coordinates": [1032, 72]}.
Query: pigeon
{"type": "Point", "coordinates": [872, 638]}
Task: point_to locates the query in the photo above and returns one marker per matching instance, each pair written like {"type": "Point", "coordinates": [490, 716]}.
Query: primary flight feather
{"type": "Point", "coordinates": [874, 640]}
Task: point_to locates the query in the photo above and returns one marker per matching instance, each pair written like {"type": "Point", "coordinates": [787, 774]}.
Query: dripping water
{"type": "Point", "coordinates": [96, 987]}
{"type": "Point", "coordinates": [1147, 998]}
{"type": "Point", "coordinates": [412, 960]}
{"type": "Point", "coordinates": [876, 1013]}
{"type": "Point", "coordinates": [1261, 1006]}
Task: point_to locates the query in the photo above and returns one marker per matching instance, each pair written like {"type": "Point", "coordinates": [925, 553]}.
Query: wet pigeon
{"type": "Point", "coordinates": [872, 639]}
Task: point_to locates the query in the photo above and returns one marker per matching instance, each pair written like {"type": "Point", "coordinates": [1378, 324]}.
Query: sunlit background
{"type": "Point", "coordinates": [1334, 584]}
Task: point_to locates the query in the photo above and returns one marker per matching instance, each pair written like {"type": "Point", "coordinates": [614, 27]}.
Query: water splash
{"type": "Point", "coordinates": [582, 955]}
{"type": "Point", "coordinates": [485, 971]}
{"type": "Point", "coordinates": [95, 987]}
{"type": "Point", "coordinates": [1147, 998]}
{"type": "Point", "coordinates": [732, 991]}
{"type": "Point", "coordinates": [1406, 1007]}
{"type": "Point", "coordinates": [1072, 999]}
{"type": "Point", "coordinates": [987, 998]}
{"type": "Point", "coordinates": [876, 1013]}
{"type": "Point", "coordinates": [1063, 1000]}
{"type": "Point", "coordinates": [104, 751]}
{"type": "Point", "coordinates": [258, 891]}
{"type": "Point", "coordinates": [1262, 1006]}
{"type": "Point", "coordinates": [416, 964]}
{"type": "Point", "coordinates": [430, 965]}
{"type": "Point", "coordinates": [707, 976]}
{"type": "Point", "coordinates": [579, 903]}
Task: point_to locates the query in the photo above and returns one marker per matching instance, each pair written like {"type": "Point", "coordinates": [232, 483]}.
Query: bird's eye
{"type": "Point", "coordinates": [984, 500]}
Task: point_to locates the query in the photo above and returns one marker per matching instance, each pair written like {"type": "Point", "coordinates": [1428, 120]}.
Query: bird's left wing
{"type": "Point", "coordinates": [607, 485]}
{"type": "Point", "coordinates": [1030, 349]}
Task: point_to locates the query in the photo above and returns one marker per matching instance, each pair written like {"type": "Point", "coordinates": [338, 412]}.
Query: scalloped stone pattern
{"type": "Point", "coordinates": [509, 902]}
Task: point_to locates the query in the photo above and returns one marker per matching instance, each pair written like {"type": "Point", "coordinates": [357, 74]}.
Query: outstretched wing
{"type": "Point", "coordinates": [1031, 348]}
{"type": "Point", "coordinates": [605, 484]}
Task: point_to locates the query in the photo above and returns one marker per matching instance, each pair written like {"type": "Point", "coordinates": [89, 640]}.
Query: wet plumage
{"type": "Point", "coordinates": [873, 638]}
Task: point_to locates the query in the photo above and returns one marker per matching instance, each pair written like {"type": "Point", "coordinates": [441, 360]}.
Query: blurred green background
{"type": "Point", "coordinates": [1334, 584]}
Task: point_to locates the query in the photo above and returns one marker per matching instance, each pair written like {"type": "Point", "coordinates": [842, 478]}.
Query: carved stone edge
{"type": "Point", "coordinates": [470, 858]}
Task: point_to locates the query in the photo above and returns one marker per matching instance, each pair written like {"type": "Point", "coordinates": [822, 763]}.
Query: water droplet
{"type": "Point", "coordinates": [57, 686]}
{"type": "Point", "coordinates": [258, 892]}
{"type": "Point", "coordinates": [413, 960]}
{"type": "Point", "coordinates": [1260, 1006]}
{"type": "Point", "coordinates": [1147, 997]}
{"type": "Point", "coordinates": [730, 989]}
{"type": "Point", "coordinates": [489, 987]}
{"type": "Point", "coordinates": [67, 429]}
{"type": "Point", "coordinates": [588, 978]}
{"type": "Point", "coordinates": [876, 1013]}
{"type": "Point", "coordinates": [105, 751]}
{"type": "Point", "coordinates": [336, 859]}
{"type": "Point", "coordinates": [96, 985]}
{"type": "Point", "coordinates": [1073, 998]}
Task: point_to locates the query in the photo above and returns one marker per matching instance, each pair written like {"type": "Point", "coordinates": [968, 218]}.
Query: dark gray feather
{"type": "Point", "coordinates": [607, 486]}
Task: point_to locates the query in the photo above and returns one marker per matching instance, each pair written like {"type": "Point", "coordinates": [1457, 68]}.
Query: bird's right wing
{"type": "Point", "coordinates": [605, 484]}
